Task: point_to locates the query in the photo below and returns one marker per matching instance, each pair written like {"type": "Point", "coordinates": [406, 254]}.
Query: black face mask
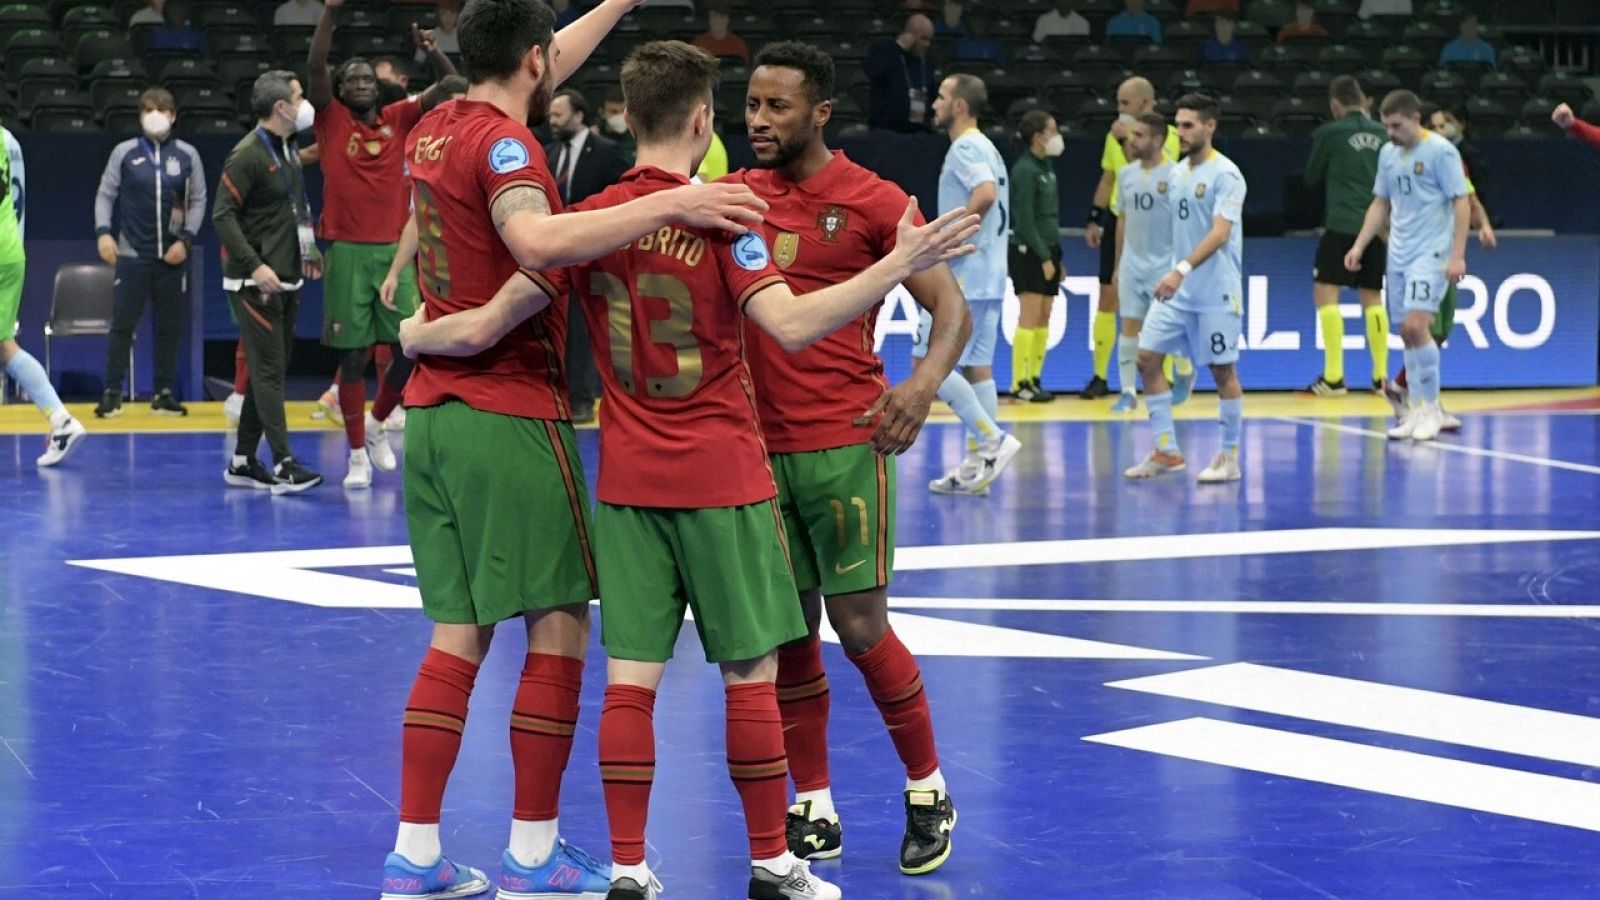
{"type": "Point", "coordinates": [389, 92]}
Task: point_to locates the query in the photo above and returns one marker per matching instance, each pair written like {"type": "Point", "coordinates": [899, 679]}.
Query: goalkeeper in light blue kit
{"type": "Point", "coordinates": [20, 366]}
{"type": "Point", "coordinates": [1421, 192]}
{"type": "Point", "coordinates": [1199, 305]}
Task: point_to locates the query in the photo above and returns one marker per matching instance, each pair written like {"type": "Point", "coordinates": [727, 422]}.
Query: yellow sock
{"type": "Point", "coordinates": [1105, 341]}
{"type": "Point", "coordinates": [1183, 365]}
{"type": "Point", "coordinates": [1332, 342]}
{"type": "Point", "coordinates": [1021, 357]}
{"type": "Point", "coordinates": [1378, 341]}
{"type": "Point", "coordinates": [1041, 346]}
{"type": "Point", "coordinates": [1167, 366]}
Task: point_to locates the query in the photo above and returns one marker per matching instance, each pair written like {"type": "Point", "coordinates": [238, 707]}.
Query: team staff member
{"type": "Point", "coordinates": [1035, 259]}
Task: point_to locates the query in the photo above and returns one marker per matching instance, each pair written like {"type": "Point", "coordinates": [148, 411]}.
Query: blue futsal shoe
{"type": "Point", "coordinates": [569, 874]}
{"type": "Point", "coordinates": [1126, 403]}
{"type": "Point", "coordinates": [404, 880]}
{"type": "Point", "coordinates": [1183, 385]}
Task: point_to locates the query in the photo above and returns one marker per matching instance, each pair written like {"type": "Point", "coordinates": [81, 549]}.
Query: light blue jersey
{"type": "Point", "coordinates": [1420, 184]}
{"type": "Point", "coordinates": [973, 160]}
{"type": "Point", "coordinates": [1201, 193]}
{"type": "Point", "coordinates": [1145, 197]}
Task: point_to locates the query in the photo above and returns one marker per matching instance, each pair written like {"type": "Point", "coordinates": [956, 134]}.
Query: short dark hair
{"type": "Point", "coordinates": [662, 83]}
{"type": "Point", "coordinates": [269, 88]}
{"type": "Point", "coordinates": [158, 97]}
{"type": "Point", "coordinates": [343, 72]}
{"type": "Point", "coordinates": [1401, 103]}
{"type": "Point", "coordinates": [1346, 90]}
{"type": "Point", "coordinates": [1033, 123]}
{"type": "Point", "coordinates": [613, 94]}
{"type": "Point", "coordinates": [496, 34]}
{"type": "Point", "coordinates": [970, 88]}
{"type": "Point", "coordinates": [448, 88]}
{"type": "Point", "coordinates": [815, 67]}
{"type": "Point", "coordinates": [578, 102]}
{"type": "Point", "coordinates": [1202, 105]}
{"type": "Point", "coordinates": [1156, 122]}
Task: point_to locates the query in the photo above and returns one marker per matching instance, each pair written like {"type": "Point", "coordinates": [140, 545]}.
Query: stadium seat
{"type": "Point", "coordinates": [92, 50]}
{"type": "Point", "coordinates": [1336, 15]}
{"type": "Point", "coordinates": [1187, 36]}
{"type": "Point", "coordinates": [110, 97]}
{"type": "Point", "coordinates": [54, 100]}
{"type": "Point", "coordinates": [1236, 112]}
{"type": "Point", "coordinates": [1312, 86]}
{"type": "Point", "coordinates": [22, 16]}
{"type": "Point", "coordinates": [1524, 62]}
{"type": "Point", "coordinates": [208, 125]}
{"type": "Point", "coordinates": [1535, 114]}
{"type": "Point", "coordinates": [191, 71]}
{"type": "Point", "coordinates": [1341, 58]}
{"type": "Point", "coordinates": [1369, 36]}
{"type": "Point", "coordinates": [29, 43]}
{"type": "Point", "coordinates": [1255, 34]}
{"type": "Point", "coordinates": [1528, 133]}
{"type": "Point", "coordinates": [240, 74]}
{"type": "Point", "coordinates": [46, 71]}
{"type": "Point", "coordinates": [1283, 60]}
{"type": "Point", "coordinates": [1269, 14]}
{"type": "Point", "coordinates": [1407, 63]}
{"type": "Point", "coordinates": [1189, 81]}
{"type": "Point", "coordinates": [290, 43]}
{"type": "Point", "coordinates": [1068, 90]}
{"type": "Point", "coordinates": [228, 45]}
{"type": "Point", "coordinates": [1426, 36]}
{"type": "Point", "coordinates": [1297, 118]}
{"type": "Point", "coordinates": [1469, 73]}
{"type": "Point", "coordinates": [1564, 87]}
{"type": "Point", "coordinates": [1378, 82]}
{"type": "Point", "coordinates": [52, 121]}
{"type": "Point", "coordinates": [203, 101]}
{"type": "Point", "coordinates": [1444, 88]}
{"type": "Point", "coordinates": [1503, 88]}
{"type": "Point", "coordinates": [1159, 64]}
{"type": "Point", "coordinates": [1488, 117]}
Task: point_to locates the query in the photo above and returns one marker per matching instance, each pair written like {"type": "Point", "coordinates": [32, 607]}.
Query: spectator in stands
{"type": "Point", "coordinates": [157, 187]}
{"type": "Point", "coordinates": [149, 14]}
{"type": "Point", "coordinates": [177, 32]}
{"type": "Point", "coordinates": [949, 24]}
{"type": "Point", "coordinates": [444, 34]}
{"type": "Point", "coordinates": [1370, 8]}
{"type": "Point", "coordinates": [394, 80]}
{"type": "Point", "coordinates": [718, 40]}
{"type": "Point", "coordinates": [1133, 21]}
{"type": "Point", "coordinates": [976, 45]}
{"type": "Point", "coordinates": [903, 78]}
{"type": "Point", "coordinates": [1225, 47]}
{"type": "Point", "coordinates": [298, 13]}
{"type": "Point", "coordinates": [1305, 24]}
{"type": "Point", "coordinates": [1203, 7]}
{"type": "Point", "coordinates": [1058, 22]}
{"type": "Point", "coordinates": [1469, 47]}
{"type": "Point", "coordinates": [567, 12]}
{"type": "Point", "coordinates": [614, 126]}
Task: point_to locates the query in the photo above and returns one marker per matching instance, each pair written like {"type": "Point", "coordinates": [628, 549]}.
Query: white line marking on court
{"type": "Point", "coordinates": [1432, 716]}
{"type": "Point", "coordinates": [1399, 773]}
{"type": "Point", "coordinates": [14, 755]}
{"type": "Point", "coordinates": [1447, 447]}
{"type": "Point", "coordinates": [1253, 607]}
{"type": "Point", "coordinates": [369, 787]}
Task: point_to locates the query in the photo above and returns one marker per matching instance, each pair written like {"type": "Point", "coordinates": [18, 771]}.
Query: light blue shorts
{"type": "Point", "coordinates": [1208, 338]}
{"type": "Point", "coordinates": [1419, 288]}
{"type": "Point", "coordinates": [1134, 296]}
{"type": "Point", "coordinates": [985, 333]}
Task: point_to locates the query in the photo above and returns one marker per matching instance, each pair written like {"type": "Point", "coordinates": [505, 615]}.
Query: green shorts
{"type": "Point", "coordinates": [838, 510]}
{"type": "Point", "coordinates": [1445, 320]}
{"type": "Point", "coordinates": [12, 272]}
{"type": "Point", "coordinates": [498, 514]}
{"type": "Point", "coordinates": [352, 315]}
{"type": "Point", "coordinates": [729, 565]}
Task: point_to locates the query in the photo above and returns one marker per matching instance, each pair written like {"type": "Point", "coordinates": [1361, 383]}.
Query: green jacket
{"type": "Point", "coordinates": [1035, 207]}
{"type": "Point", "coordinates": [1344, 155]}
{"type": "Point", "coordinates": [260, 202]}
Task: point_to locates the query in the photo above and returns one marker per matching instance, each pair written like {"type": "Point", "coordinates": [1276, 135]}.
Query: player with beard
{"type": "Point", "coordinates": [829, 218]}
{"type": "Point", "coordinates": [496, 506]}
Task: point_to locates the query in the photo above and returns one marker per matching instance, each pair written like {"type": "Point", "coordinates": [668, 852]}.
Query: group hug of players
{"type": "Point", "coordinates": [748, 441]}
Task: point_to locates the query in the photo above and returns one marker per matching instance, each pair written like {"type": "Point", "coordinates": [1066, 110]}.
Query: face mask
{"type": "Point", "coordinates": [1450, 131]}
{"type": "Point", "coordinates": [616, 124]}
{"type": "Point", "coordinates": [304, 117]}
{"type": "Point", "coordinates": [156, 123]}
{"type": "Point", "coordinates": [1055, 145]}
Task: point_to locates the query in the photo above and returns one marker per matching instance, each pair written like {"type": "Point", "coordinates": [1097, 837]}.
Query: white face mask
{"type": "Point", "coordinates": [305, 116]}
{"type": "Point", "coordinates": [1055, 145]}
{"type": "Point", "coordinates": [1450, 131]}
{"type": "Point", "coordinates": [156, 123]}
{"type": "Point", "coordinates": [616, 123]}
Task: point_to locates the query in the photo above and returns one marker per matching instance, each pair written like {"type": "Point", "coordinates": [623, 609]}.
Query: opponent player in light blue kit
{"type": "Point", "coordinates": [1200, 302]}
{"type": "Point", "coordinates": [974, 176]}
{"type": "Point", "coordinates": [1421, 192]}
{"type": "Point", "coordinates": [1144, 246]}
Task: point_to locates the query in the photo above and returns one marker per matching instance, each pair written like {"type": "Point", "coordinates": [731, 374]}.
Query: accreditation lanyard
{"type": "Point", "coordinates": [302, 210]}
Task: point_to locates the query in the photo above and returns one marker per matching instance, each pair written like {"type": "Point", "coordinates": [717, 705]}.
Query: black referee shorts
{"type": "Point", "coordinates": [1027, 271]}
{"type": "Point", "coordinates": [1108, 251]}
{"type": "Point", "coordinates": [1330, 262]}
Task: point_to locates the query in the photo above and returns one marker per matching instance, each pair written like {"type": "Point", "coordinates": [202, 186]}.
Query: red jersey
{"type": "Point", "coordinates": [364, 172]}
{"type": "Point", "coordinates": [678, 428]}
{"type": "Point", "coordinates": [463, 155]}
{"type": "Point", "coordinates": [822, 231]}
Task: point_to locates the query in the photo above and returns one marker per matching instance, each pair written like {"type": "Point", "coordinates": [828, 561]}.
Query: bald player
{"type": "Point", "coordinates": [1135, 97]}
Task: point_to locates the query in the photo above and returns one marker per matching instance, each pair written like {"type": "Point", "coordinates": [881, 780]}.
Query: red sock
{"type": "Point", "coordinates": [382, 356]}
{"type": "Point", "coordinates": [757, 765]}
{"type": "Point", "coordinates": [803, 701]}
{"type": "Point", "coordinates": [388, 398]}
{"type": "Point", "coordinates": [353, 404]}
{"type": "Point", "coordinates": [895, 683]}
{"type": "Point", "coordinates": [241, 369]}
{"type": "Point", "coordinates": [627, 767]}
{"type": "Point", "coordinates": [543, 716]}
{"type": "Point", "coordinates": [435, 715]}
{"type": "Point", "coordinates": [1400, 379]}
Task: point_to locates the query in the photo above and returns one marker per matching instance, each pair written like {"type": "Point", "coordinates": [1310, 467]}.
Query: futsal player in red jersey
{"type": "Point", "coordinates": [828, 217]}
{"type": "Point", "coordinates": [365, 208]}
{"type": "Point", "coordinates": [494, 491]}
{"type": "Point", "coordinates": [687, 517]}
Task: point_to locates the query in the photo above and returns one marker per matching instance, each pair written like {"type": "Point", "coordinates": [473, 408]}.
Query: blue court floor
{"type": "Point", "coordinates": [1368, 670]}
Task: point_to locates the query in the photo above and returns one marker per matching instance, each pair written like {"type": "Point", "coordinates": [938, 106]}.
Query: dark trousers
{"type": "Point", "coordinates": [583, 382]}
{"type": "Point", "coordinates": [139, 281]}
{"type": "Point", "coordinates": [266, 323]}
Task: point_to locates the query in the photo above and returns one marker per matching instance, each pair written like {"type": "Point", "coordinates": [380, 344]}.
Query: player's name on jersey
{"type": "Point", "coordinates": [684, 246]}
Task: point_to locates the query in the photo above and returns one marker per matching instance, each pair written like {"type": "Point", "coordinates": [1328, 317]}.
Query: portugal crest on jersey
{"type": "Point", "coordinates": [785, 249]}
{"type": "Point", "coordinates": [831, 221]}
